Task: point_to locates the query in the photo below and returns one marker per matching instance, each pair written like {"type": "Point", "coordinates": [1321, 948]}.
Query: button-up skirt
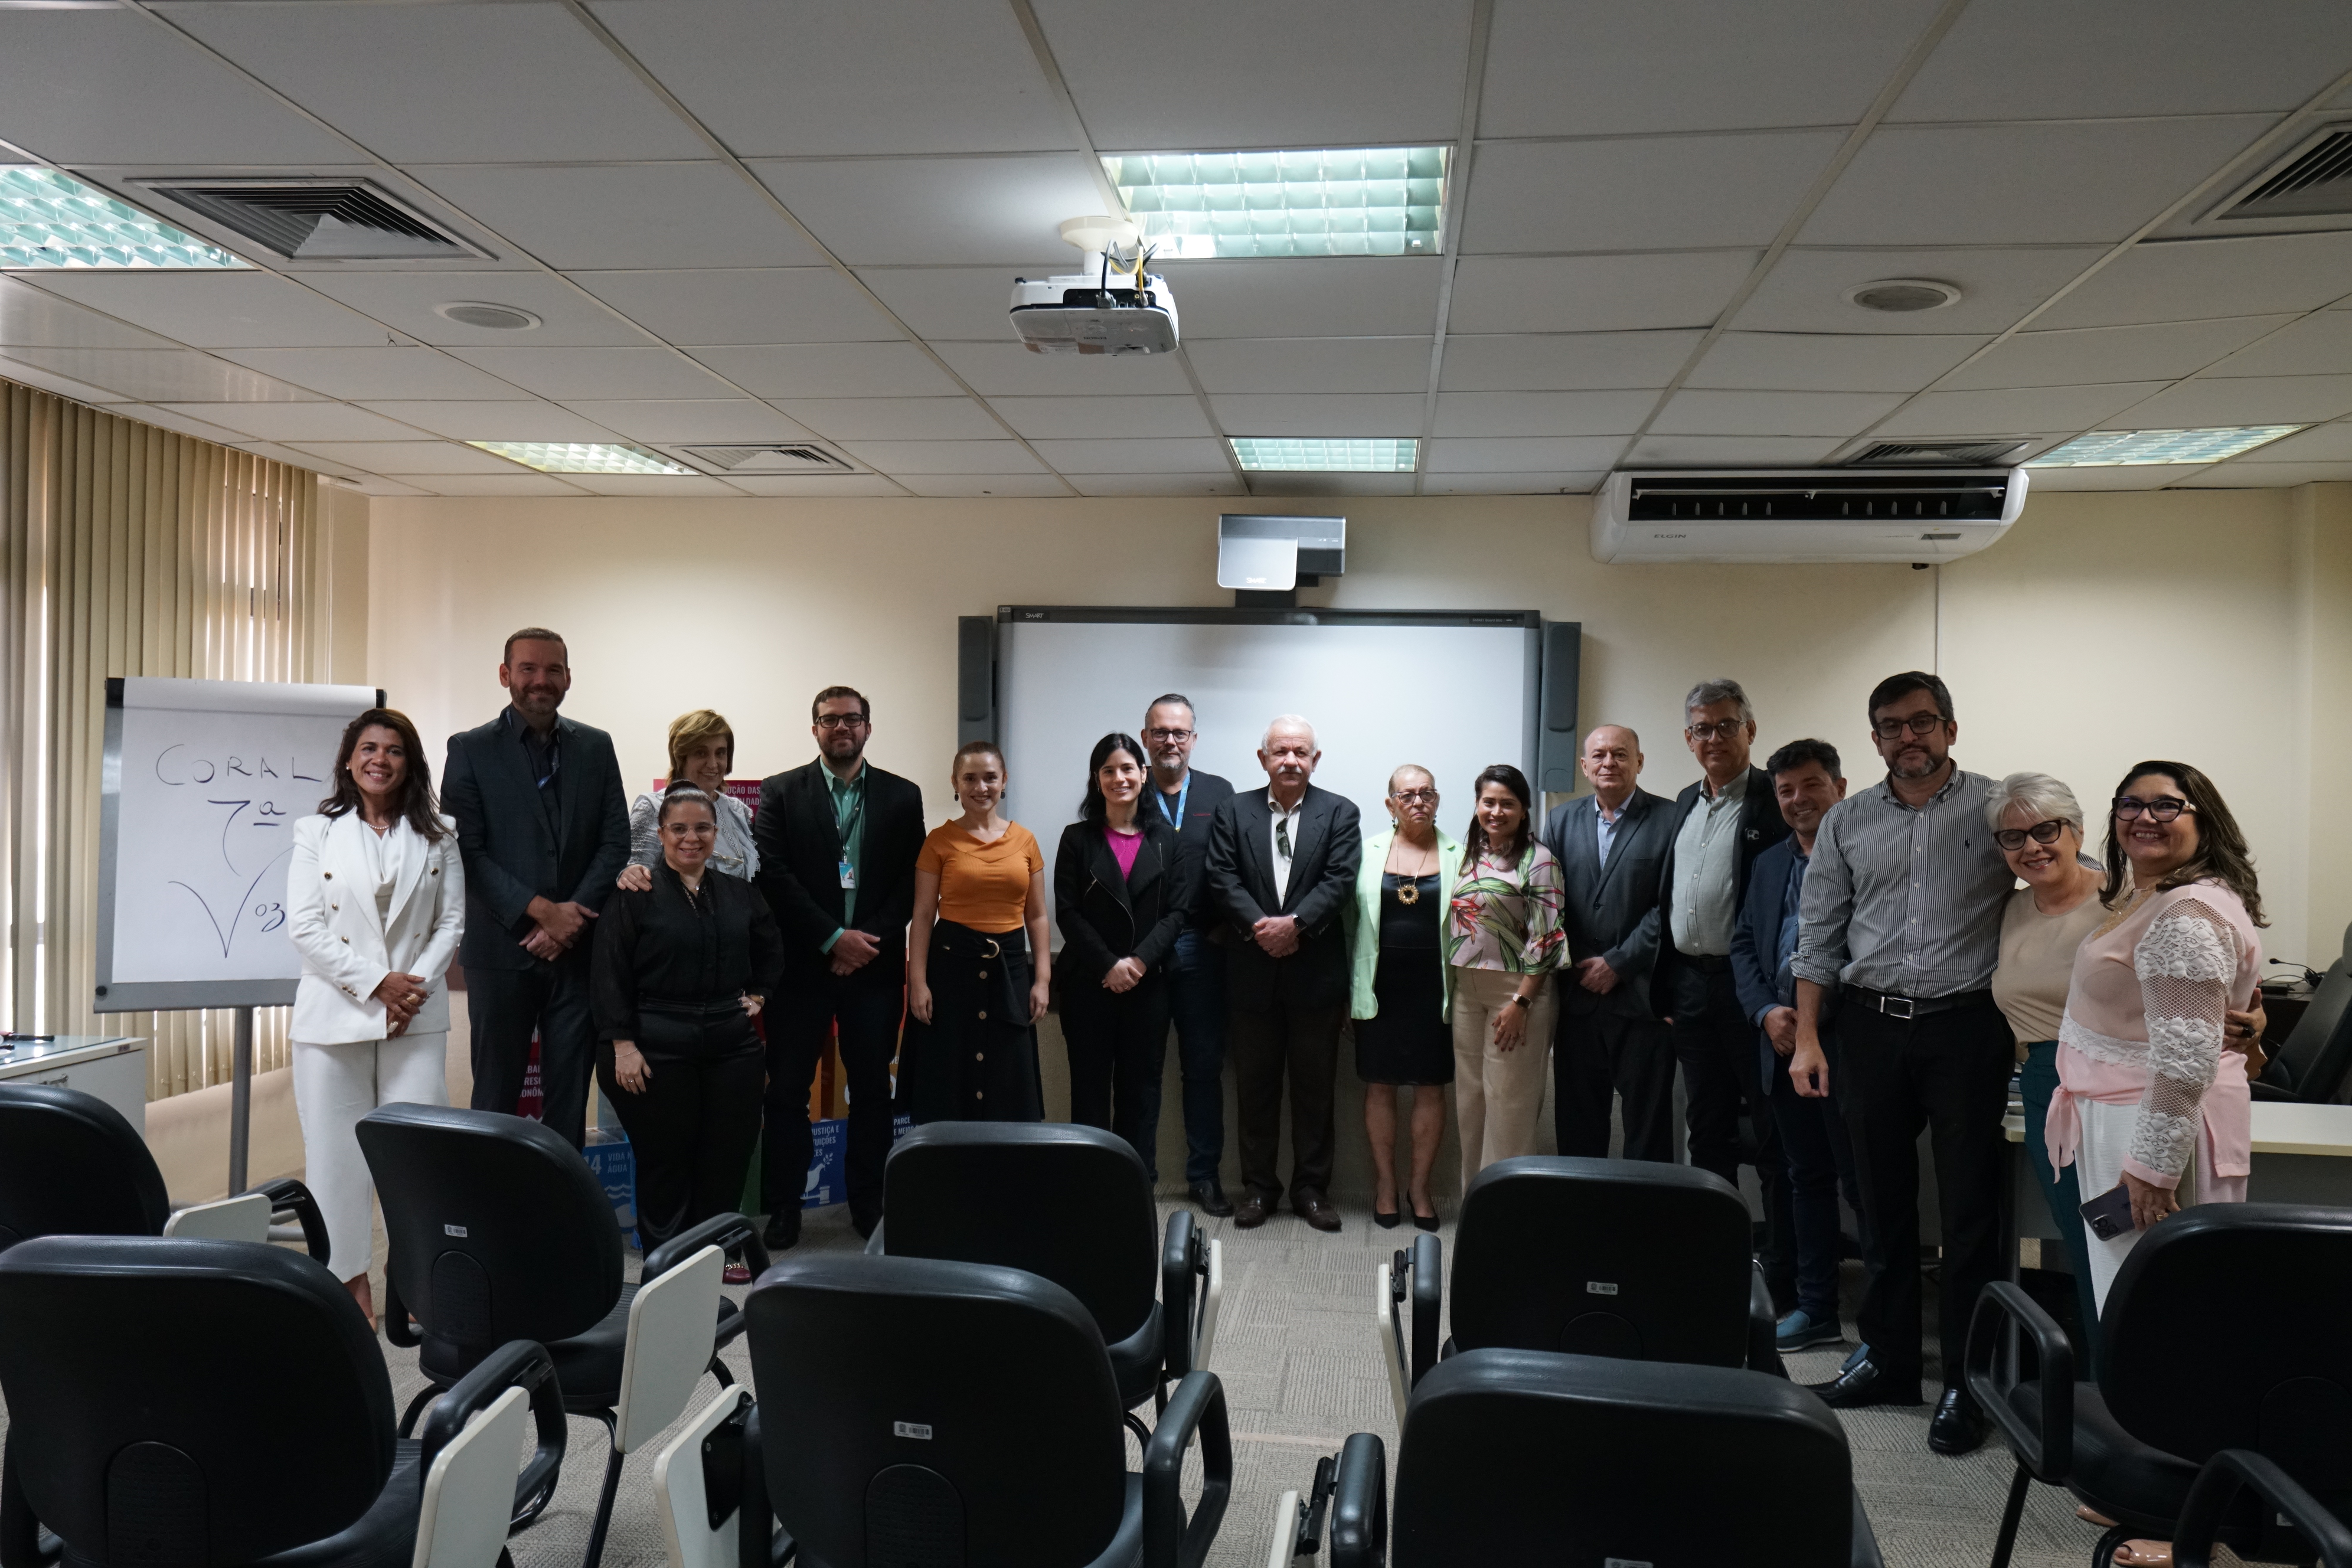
{"type": "Point", "coordinates": [976, 1060]}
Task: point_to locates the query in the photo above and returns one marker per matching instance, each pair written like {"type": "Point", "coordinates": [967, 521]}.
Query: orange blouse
{"type": "Point", "coordinates": [983, 886]}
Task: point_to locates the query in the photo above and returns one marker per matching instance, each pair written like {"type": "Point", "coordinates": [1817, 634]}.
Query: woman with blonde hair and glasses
{"type": "Point", "coordinates": [702, 749]}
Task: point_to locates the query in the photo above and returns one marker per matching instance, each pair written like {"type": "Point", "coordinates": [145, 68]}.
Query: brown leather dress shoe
{"type": "Point", "coordinates": [1249, 1213]}
{"type": "Point", "coordinates": [1316, 1210]}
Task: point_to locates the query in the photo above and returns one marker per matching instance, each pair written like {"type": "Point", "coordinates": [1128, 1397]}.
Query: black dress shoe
{"type": "Point", "coordinates": [1424, 1222]}
{"type": "Point", "coordinates": [1316, 1210]}
{"type": "Point", "coordinates": [1388, 1221]}
{"type": "Point", "coordinates": [1959, 1427]}
{"type": "Point", "coordinates": [1209, 1197]}
{"type": "Point", "coordinates": [784, 1231]}
{"type": "Point", "coordinates": [1864, 1383]}
{"type": "Point", "coordinates": [1250, 1213]}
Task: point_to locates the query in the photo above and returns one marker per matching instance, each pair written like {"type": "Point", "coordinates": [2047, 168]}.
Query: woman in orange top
{"type": "Point", "coordinates": [973, 993]}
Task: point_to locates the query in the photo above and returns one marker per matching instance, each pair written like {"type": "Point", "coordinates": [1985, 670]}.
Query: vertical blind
{"type": "Point", "coordinates": [128, 551]}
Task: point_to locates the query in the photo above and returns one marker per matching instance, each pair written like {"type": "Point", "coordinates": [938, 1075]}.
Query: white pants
{"type": "Point", "coordinates": [2099, 1166]}
{"type": "Point", "coordinates": [1497, 1094]}
{"type": "Point", "coordinates": [334, 1086]}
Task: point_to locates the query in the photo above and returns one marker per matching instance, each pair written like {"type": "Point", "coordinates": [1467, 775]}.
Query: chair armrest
{"type": "Point", "coordinates": [1360, 1505]}
{"type": "Point", "coordinates": [395, 1315]}
{"type": "Point", "coordinates": [1428, 1304]}
{"type": "Point", "coordinates": [874, 1246]}
{"type": "Point", "coordinates": [1763, 1328]}
{"type": "Point", "coordinates": [2232, 1470]}
{"type": "Point", "coordinates": [758, 1543]}
{"type": "Point", "coordinates": [726, 1232]}
{"type": "Point", "coordinates": [518, 1364]}
{"type": "Point", "coordinates": [1178, 1273]}
{"type": "Point", "coordinates": [2049, 1452]}
{"type": "Point", "coordinates": [285, 1194]}
{"type": "Point", "coordinates": [1197, 1409]}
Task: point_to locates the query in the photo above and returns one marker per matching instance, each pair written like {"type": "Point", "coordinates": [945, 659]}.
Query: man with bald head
{"type": "Point", "coordinates": [1611, 847]}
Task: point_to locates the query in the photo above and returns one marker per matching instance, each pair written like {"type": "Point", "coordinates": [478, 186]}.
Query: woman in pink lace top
{"type": "Point", "coordinates": [2147, 1096]}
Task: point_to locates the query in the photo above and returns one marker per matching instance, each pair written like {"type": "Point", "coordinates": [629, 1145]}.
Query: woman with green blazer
{"type": "Point", "coordinates": [1401, 999]}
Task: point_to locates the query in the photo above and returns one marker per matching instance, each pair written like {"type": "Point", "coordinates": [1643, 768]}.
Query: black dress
{"type": "Point", "coordinates": [1409, 1042]}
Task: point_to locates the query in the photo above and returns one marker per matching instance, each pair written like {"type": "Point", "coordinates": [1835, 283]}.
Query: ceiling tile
{"type": "Point", "coordinates": [1303, 296]}
{"type": "Point", "coordinates": [1304, 414]}
{"type": "Point", "coordinates": [1589, 66]}
{"type": "Point", "coordinates": [916, 211]}
{"type": "Point", "coordinates": [1331, 484]}
{"type": "Point", "coordinates": [1830, 361]}
{"type": "Point", "coordinates": [1574, 484]}
{"type": "Point", "coordinates": [766, 305]}
{"type": "Point", "coordinates": [815, 485]}
{"type": "Point", "coordinates": [2164, 351]}
{"type": "Point", "coordinates": [1234, 73]}
{"type": "Point", "coordinates": [409, 456]}
{"type": "Point", "coordinates": [531, 421]}
{"type": "Point", "coordinates": [450, 83]}
{"type": "Point", "coordinates": [41, 379]}
{"type": "Point", "coordinates": [494, 485]}
{"type": "Point", "coordinates": [2131, 477]}
{"type": "Point", "coordinates": [219, 310]}
{"type": "Point", "coordinates": [376, 372]}
{"type": "Point", "coordinates": [652, 485]}
{"type": "Point", "coordinates": [1727, 451]}
{"type": "Point", "coordinates": [165, 419]}
{"type": "Point", "coordinates": [2241, 473]}
{"type": "Point", "coordinates": [624, 214]}
{"type": "Point", "coordinates": [2021, 184]}
{"type": "Point", "coordinates": [1542, 413]}
{"type": "Point", "coordinates": [830, 369]}
{"type": "Point", "coordinates": [377, 484]}
{"type": "Point", "coordinates": [1522, 455]}
{"type": "Point", "coordinates": [1594, 293]}
{"type": "Point", "coordinates": [1311, 364]}
{"type": "Point", "coordinates": [902, 459]}
{"type": "Point", "coordinates": [2190, 279]}
{"type": "Point", "coordinates": [924, 484]}
{"type": "Point", "coordinates": [2015, 409]}
{"type": "Point", "coordinates": [949, 419]}
{"type": "Point", "coordinates": [107, 86]}
{"type": "Point", "coordinates": [277, 454]}
{"type": "Point", "coordinates": [303, 422]}
{"type": "Point", "coordinates": [2323, 444]}
{"type": "Point", "coordinates": [1068, 417]}
{"type": "Point", "coordinates": [1011, 368]}
{"type": "Point", "coordinates": [1565, 360]}
{"type": "Point", "coordinates": [2317, 345]}
{"type": "Point", "coordinates": [726, 419]}
{"type": "Point", "coordinates": [405, 301]}
{"type": "Point", "coordinates": [1166, 456]}
{"type": "Point", "coordinates": [1805, 292]}
{"type": "Point", "coordinates": [1202, 484]}
{"type": "Point", "coordinates": [31, 317]}
{"type": "Point", "coordinates": [575, 374]}
{"type": "Point", "coordinates": [966, 302]}
{"type": "Point", "coordinates": [883, 75]}
{"type": "Point", "coordinates": [174, 375]}
{"type": "Point", "coordinates": [1640, 192]}
{"type": "Point", "coordinates": [1772, 413]}
{"type": "Point", "coordinates": [2244, 400]}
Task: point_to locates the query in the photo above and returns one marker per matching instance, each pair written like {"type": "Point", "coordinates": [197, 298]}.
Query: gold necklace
{"type": "Point", "coordinates": [1408, 893]}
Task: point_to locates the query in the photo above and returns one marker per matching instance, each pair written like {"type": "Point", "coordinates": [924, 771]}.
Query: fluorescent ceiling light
{"type": "Point", "coordinates": [2118, 448]}
{"type": "Point", "coordinates": [48, 219]}
{"type": "Point", "coordinates": [583, 458]}
{"type": "Point", "coordinates": [1378, 201]}
{"type": "Point", "coordinates": [1325, 455]}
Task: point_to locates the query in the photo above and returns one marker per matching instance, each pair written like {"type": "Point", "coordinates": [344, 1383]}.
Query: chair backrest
{"type": "Point", "coordinates": [499, 1230]}
{"type": "Point", "coordinates": [186, 1402]}
{"type": "Point", "coordinates": [1069, 1204]}
{"type": "Point", "coordinates": [2312, 1060]}
{"type": "Point", "coordinates": [1531, 1456]}
{"type": "Point", "coordinates": [919, 1411]}
{"type": "Point", "coordinates": [2226, 1328]}
{"type": "Point", "coordinates": [71, 1165]}
{"type": "Point", "coordinates": [1615, 1257]}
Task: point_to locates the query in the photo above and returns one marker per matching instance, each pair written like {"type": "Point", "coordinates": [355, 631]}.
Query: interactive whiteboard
{"type": "Point", "coordinates": [203, 780]}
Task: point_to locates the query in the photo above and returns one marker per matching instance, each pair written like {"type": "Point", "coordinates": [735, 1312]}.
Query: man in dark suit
{"type": "Point", "coordinates": [1281, 871]}
{"type": "Point", "coordinates": [1611, 847]}
{"type": "Point", "coordinates": [543, 829]}
{"type": "Point", "coordinates": [838, 841]}
{"type": "Point", "coordinates": [1196, 970]}
{"type": "Point", "coordinates": [1721, 825]}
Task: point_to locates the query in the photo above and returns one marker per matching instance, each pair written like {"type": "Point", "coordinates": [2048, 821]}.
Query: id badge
{"type": "Point", "coordinates": [848, 874]}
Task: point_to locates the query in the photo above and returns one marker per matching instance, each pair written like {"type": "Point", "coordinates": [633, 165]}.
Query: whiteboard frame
{"type": "Point", "coordinates": [154, 996]}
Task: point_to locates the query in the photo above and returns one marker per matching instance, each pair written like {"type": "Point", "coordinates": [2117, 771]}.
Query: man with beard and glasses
{"type": "Point", "coordinates": [837, 840]}
{"type": "Point", "coordinates": [543, 829]}
{"type": "Point", "coordinates": [1900, 912]}
{"type": "Point", "coordinates": [1188, 801]}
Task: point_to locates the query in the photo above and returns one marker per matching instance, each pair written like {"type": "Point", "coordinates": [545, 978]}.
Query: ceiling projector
{"type": "Point", "coordinates": [1113, 308]}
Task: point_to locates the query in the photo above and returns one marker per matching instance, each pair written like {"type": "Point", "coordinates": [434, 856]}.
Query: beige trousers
{"type": "Point", "coordinates": [1497, 1094]}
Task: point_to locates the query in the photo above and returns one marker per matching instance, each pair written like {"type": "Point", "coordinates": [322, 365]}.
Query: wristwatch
{"type": "Point", "coordinates": [1518, 1000]}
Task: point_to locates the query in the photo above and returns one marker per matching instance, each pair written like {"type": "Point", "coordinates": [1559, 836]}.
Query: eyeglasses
{"type": "Point", "coordinates": [841, 720]}
{"type": "Point", "coordinates": [1169, 736]}
{"type": "Point", "coordinates": [2163, 808]}
{"type": "Point", "coordinates": [1721, 730]}
{"type": "Point", "coordinates": [1918, 724]}
{"type": "Point", "coordinates": [1415, 796]}
{"type": "Point", "coordinates": [2040, 832]}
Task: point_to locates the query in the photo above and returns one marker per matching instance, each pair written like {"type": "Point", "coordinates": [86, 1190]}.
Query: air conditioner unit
{"type": "Point", "coordinates": [1804, 514]}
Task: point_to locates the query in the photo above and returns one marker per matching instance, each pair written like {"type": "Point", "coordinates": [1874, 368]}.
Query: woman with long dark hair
{"type": "Point", "coordinates": [1503, 940]}
{"type": "Point", "coordinates": [375, 901]}
{"type": "Point", "coordinates": [1121, 904]}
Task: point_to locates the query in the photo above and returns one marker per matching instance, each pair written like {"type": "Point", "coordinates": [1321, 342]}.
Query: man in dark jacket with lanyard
{"type": "Point", "coordinates": [1196, 970]}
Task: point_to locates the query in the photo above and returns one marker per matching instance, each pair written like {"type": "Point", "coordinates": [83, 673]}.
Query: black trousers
{"type": "Point", "coordinates": [1714, 1043]}
{"type": "Point", "coordinates": [503, 1006]}
{"type": "Point", "coordinates": [692, 1129]}
{"type": "Point", "coordinates": [867, 1007]}
{"type": "Point", "coordinates": [1947, 1072]}
{"type": "Point", "coordinates": [1297, 1041]}
{"type": "Point", "coordinates": [1118, 1044]}
{"type": "Point", "coordinates": [1599, 1056]}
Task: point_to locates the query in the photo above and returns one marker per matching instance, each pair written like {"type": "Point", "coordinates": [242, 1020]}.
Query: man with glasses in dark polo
{"type": "Point", "coordinates": [1901, 912]}
{"type": "Point", "coordinates": [1187, 799]}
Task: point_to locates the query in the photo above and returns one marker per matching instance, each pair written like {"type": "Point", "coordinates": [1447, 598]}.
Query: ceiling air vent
{"type": "Point", "coordinates": [1916, 454]}
{"type": "Point", "coordinates": [318, 219]}
{"type": "Point", "coordinates": [793, 459]}
{"type": "Point", "coordinates": [2315, 182]}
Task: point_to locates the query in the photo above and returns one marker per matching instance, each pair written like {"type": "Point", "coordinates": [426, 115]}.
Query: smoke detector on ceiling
{"type": "Point", "coordinates": [1902, 296]}
{"type": "Point", "coordinates": [482, 314]}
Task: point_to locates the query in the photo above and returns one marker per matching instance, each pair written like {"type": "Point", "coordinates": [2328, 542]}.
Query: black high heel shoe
{"type": "Point", "coordinates": [1424, 1221]}
{"type": "Point", "coordinates": [1388, 1221]}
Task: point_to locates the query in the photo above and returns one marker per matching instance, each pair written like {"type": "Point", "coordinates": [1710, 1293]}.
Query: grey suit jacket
{"type": "Point", "coordinates": [515, 850]}
{"type": "Point", "coordinates": [1611, 911]}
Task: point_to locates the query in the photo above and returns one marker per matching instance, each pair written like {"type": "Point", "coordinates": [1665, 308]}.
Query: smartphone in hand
{"type": "Point", "coordinates": [2109, 1214]}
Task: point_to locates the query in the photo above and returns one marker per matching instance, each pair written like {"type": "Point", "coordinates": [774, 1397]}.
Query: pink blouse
{"type": "Point", "coordinates": [2144, 1027]}
{"type": "Point", "coordinates": [1124, 848]}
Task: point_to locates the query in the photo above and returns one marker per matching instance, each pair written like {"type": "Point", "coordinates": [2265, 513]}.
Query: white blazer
{"type": "Point", "coordinates": [346, 950]}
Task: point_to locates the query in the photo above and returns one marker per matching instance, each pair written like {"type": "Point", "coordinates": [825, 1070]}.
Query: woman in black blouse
{"type": "Point", "coordinates": [682, 968]}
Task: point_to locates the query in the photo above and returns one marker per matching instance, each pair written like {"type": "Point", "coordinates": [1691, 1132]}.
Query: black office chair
{"type": "Point", "coordinates": [205, 1404]}
{"type": "Point", "coordinates": [2224, 1329]}
{"type": "Point", "coordinates": [2210, 1500]}
{"type": "Point", "coordinates": [959, 1413]}
{"type": "Point", "coordinates": [1607, 1257]}
{"type": "Point", "coordinates": [1513, 1456]}
{"type": "Point", "coordinates": [71, 1165]}
{"type": "Point", "coordinates": [2313, 1063]}
{"type": "Point", "coordinates": [499, 1231]}
{"type": "Point", "coordinates": [1072, 1205]}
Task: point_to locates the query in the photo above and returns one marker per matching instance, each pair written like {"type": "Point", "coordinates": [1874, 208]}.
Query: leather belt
{"type": "Point", "coordinates": [1896, 1006]}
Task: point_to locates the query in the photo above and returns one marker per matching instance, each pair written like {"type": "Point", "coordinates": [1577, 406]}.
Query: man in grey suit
{"type": "Point", "coordinates": [1612, 845]}
{"type": "Point", "coordinates": [543, 829]}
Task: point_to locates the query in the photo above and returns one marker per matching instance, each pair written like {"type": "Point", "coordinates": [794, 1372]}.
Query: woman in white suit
{"type": "Point", "coordinates": [375, 896]}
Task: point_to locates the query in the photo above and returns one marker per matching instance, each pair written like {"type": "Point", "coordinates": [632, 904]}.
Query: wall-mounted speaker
{"type": "Point", "coordinates": [1556, 735]}
{"type": "Point", "coordinates": [975, 678]}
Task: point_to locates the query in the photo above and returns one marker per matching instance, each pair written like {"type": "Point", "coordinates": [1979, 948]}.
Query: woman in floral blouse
{"type": "Point", "coordinates": [1503, 939]}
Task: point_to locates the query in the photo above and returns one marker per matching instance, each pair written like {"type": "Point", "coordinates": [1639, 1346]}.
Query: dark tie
{"type": "Point", "coordinates": [1282, 837]}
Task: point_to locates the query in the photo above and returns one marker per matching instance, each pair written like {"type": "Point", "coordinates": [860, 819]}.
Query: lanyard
{"type": "Point", "coordinates": [843, 826]}
{"type": "Point", "coordinates": [1183, 792]}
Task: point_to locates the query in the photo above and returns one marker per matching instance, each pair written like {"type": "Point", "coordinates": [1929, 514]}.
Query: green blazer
{"type": "Point", "coordinates": [1363, 918]}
